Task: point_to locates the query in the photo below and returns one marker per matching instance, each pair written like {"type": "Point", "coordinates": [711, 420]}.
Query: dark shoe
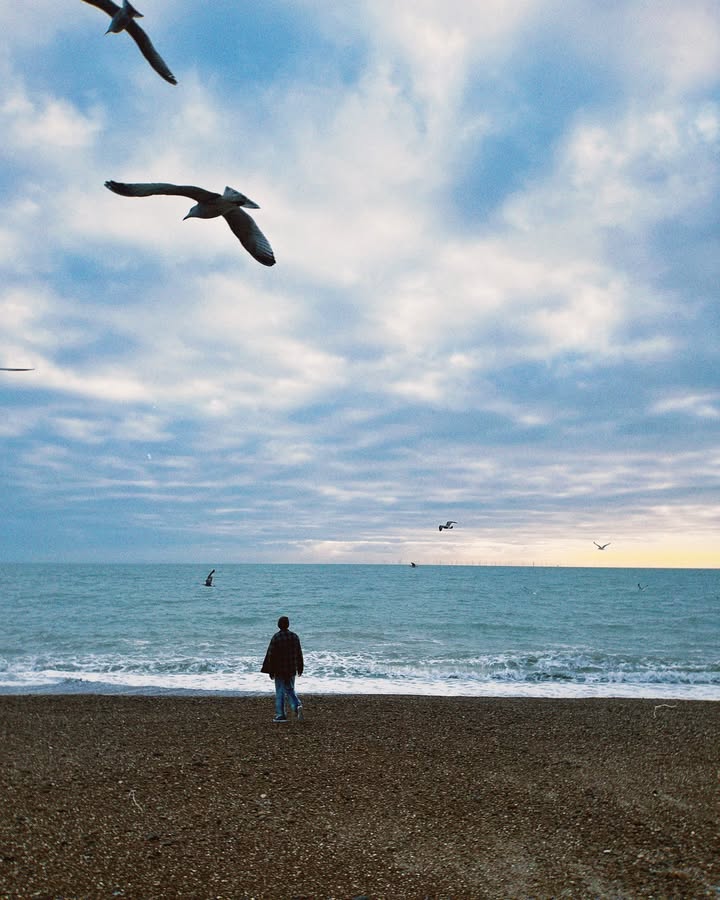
{"type": "Point", "coordinates": [278, 719]}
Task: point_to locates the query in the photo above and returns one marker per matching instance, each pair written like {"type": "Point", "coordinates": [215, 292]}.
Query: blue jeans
{"type": "Point", "coordinates": [285, 688]}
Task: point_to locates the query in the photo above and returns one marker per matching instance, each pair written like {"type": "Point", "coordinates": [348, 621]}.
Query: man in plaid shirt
{"type": "Point", "coordinates": [283, 661]}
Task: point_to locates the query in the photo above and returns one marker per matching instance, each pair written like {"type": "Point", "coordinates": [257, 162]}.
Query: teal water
{"type": "Point", "coordinates": [443, 630]}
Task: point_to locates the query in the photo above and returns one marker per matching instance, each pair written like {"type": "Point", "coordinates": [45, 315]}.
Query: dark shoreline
{"type": "Point", "coordinates": [376, 796]}
{"type": "Point", "coordinates": [99, 689]}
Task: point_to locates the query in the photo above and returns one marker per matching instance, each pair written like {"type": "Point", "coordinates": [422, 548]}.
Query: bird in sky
{"type": "Point", "coordinates": [448, 525]}
{"type": "Point", "coordinates": [5, 369]}
{"type": "Point", "coordinates": [209, 205]}
{"type": "Point", "coordinates": [123, 19]}
{"type": "Point", "coordinates": [601, 546]}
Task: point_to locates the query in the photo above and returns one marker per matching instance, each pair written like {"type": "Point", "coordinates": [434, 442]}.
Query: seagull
{"type": "Point", "coordinates": [449, 524]}
{"type": "Point", "coordinates": [601, 546]}
{"type": "Point", "coordinates": [210, 205]}
{"type": "Point", "coordinates": [208, 580]}
{"type": "Point", "coordinates": [5, 369]}
{"type": "Point", "coordinates": [123, 19]}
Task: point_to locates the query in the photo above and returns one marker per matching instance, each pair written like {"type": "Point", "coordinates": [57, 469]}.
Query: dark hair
{"type": "Point", "coordinates": [283, 622]}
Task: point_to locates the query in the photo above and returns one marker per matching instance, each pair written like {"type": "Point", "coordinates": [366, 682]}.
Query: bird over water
{"type": "Point", "coordinates": [123, 19]}
{"type": "Point", "coordinates": [447, 526]}
{"type": "Point", "coordinates": [209, 205]}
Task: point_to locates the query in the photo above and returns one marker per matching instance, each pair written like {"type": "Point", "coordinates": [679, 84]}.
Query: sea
{"type": "Point", "coordinates": [481, 631]}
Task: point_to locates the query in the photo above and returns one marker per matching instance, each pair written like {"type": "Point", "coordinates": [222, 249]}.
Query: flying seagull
{"type": "Point", "coordinates": [209, 205]}
{"type": "Point", "coordinates": [449, 524]}
{"type": "Point", "coordinates": [123, 19]}
{"type": "Point", "coordinates": [5, 369]}
{"type": "Point", "coordinates": [601, 546]}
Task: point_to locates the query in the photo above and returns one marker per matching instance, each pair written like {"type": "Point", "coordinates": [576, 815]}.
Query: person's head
{"type": "Point", "coordinates": [283, 623]}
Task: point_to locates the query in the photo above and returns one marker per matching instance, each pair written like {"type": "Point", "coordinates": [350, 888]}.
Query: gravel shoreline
{"type": "Point", "coordinates": [374, 797]}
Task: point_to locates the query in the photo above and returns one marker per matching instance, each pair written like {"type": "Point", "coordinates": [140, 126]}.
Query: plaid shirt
{"type": "Point", "coordinates": [284, 655]}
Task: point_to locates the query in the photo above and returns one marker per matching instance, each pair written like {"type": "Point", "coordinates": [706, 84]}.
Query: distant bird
{"type": "Point", "coordinates": [640, 587]}
{"type": "Point", "coordinates": [448, 525]}
{"type": "Point", "coordinates": [4, 369]}
{"type": "Point", "coordinates": [601, 546]}
{"type": "Point", "coordinates": [123, 19]}
{"type": "Point", "coordinates": [210, 205]}
{"type": "Point", "coordinates": [208, 580]}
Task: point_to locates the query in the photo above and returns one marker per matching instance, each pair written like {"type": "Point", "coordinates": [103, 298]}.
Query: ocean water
{"type": "Point", "coordinates": [440, 630]}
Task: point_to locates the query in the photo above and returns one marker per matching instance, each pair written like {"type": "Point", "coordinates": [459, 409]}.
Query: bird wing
{"type": "Point", "coordinates": [149, 52]}
{"type": "Point", "coordinates": [5, 369]}
{"type": "Point", "coordinates": [253, 240]}
{"type": "Point", "coordinates": [105, 5]}
{"type": "Point", "coordinates": [148, 190]}
{"type": "Point", "coordinates": [236, 197]}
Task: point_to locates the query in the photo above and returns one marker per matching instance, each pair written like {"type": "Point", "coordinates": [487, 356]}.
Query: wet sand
{"type": "Point", "coordinates": [376, 797]}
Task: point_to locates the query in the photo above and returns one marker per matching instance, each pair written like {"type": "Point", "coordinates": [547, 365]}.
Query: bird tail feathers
{"type": "Point", "coordinates": [236, 197]}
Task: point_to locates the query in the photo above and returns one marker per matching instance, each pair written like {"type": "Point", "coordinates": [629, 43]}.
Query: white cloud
{"type": "Point", "coordinates": [628, 174]}
{"type": "Point", "coordinates": [701, 405]}
{"type": "Point", "coordinates": [437, 43]}
{"type": "Point", "coordinates": [178, 368]}
{"type": "Point", "coordinates": [664, 48]}
{"type": "Point", "coordinates": [45, 125]}
{"type": "Point", "coordinates": [32, 24]}
{"type": "Point", "coordinates": [30, 313]}
{"type": "Point", "coordinates": [676, 44]}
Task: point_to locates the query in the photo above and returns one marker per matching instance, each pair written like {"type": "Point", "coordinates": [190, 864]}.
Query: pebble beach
{"type": "Point", "coordinates": [371, 797]}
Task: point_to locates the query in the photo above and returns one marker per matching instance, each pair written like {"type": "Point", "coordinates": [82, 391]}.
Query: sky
{"type": "Point", "coordinates": [495, 298]}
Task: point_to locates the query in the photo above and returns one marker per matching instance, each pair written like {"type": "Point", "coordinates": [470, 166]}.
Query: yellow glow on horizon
{"type": "Point", "coordinates": [624, 551]}
{"type": "Point", "coordinates": [660, 558]}
{"type": "Point", "coordinates": [658, 553]}
{"type": "Point", "coordinates": [654, 551]}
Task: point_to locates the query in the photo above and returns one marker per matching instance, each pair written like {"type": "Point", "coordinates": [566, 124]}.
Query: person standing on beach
{"type": "Point", "coordinates": [283, 661]}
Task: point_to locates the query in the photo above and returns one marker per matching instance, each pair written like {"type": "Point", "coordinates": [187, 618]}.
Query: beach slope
{"type": "Point", "coordinates": [377, 797]}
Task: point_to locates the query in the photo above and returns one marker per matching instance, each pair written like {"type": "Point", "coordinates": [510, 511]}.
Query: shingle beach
{"type": "Point", "coordinates": [372, 796]}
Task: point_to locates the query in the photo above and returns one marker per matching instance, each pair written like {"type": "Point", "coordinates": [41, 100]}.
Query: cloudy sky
{"type": "Point", "coordinates": [495, 298]}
